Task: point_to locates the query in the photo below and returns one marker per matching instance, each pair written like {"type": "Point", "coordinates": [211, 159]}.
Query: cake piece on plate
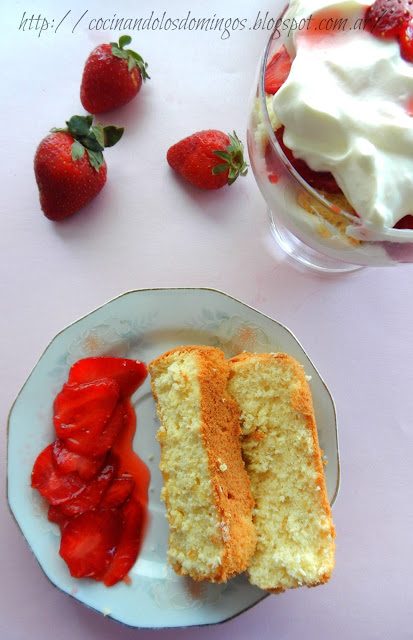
{"type": "Point", "coordinates": [206, 488]}
{"type": "Point", "coordinates": [292, 516]}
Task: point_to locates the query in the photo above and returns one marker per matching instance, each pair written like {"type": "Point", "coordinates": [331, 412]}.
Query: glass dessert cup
{"type": "Point", "coordinates": [318, 229]}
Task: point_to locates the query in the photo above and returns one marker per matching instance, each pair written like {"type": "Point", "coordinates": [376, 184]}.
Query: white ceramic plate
{"type": "Point", "coordinates": [142, 325]}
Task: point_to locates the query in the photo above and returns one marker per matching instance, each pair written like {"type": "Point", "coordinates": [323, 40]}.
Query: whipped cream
{"type": "Point", "coordinates": [345, 108]}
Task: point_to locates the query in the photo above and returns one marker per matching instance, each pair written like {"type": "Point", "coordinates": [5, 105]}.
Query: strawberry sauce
{"type": "Point", "coordinates": [95, 484]}
{"type": "Point", "coordinates": [131, 463]}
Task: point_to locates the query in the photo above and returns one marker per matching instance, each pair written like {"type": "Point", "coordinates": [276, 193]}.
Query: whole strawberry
{"type": "Point", "coordinates": [208, 159]}
{"type": "Point", "coordinates": [69, 166]}
{"type": "Point", "coordinates": [112, 76]}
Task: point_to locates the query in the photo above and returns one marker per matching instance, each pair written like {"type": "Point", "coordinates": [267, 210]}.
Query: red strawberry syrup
{"type": "Point", "coordinates": [78, 505]}
{"type": "Point", "coordinates": [131, 463]}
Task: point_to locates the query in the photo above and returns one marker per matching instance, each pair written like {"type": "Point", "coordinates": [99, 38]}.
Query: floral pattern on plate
{"type": "Point", "coordinates": [236, 335]}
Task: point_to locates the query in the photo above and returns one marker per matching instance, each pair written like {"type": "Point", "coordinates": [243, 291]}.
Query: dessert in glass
{"type": "Point", "coordinates": [330, 133]}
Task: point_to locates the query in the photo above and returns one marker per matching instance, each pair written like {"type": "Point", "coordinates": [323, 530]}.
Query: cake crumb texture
{"type": "Point", "coordinates": [292, 515]}
{"type": "Point", "coordinates": [334, 218]}
{"type": "Point", "coordinates": [206, 488]}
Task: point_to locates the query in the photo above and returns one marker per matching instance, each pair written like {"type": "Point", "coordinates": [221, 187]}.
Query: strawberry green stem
{"type": "Point", "coordinates": [133, 58]}
{"type": "Point", "coordinates": [233, 159]}
{"type": "Point", "coordinates": [92, 139]}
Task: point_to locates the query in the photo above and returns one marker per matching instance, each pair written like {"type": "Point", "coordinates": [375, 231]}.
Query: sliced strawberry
{"type": "Point", "coordinates": [129, 374]}
{"type": "Point", "coordinates": [55, 514]}
{"type": "Point", "coordinates": [406, 41]}
{"type": "Point", "coordinates": [322, 180]}
{"type": "Point", "coordinates": [82, 443]}
{"type": "Point", "coordinates": [277, 70]}
{"type": "Point", "coordinates": [127, 549]}
{"type": "Point", "coordinates": [385, 18]}
{"type": "Point", "coordinates": [118, 491]}
{"type": "Point", "coordinates": [68, 461]}
{"type": "Point", "coordinates": [53, 485]}
{"type": "Point", "coordinates": [92, 495]}
{"type": "Point", "coordinates": [405, 223]}
{"type": "Point", "coordinates": [84, 407]}
{"type": "Point", "coordinates": [88, 541]}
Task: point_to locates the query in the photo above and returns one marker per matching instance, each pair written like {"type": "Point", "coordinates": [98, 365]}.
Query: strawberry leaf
{"type": "Point", "coordinates": [142, 66]}
{"type": "Point", "coordinates": [99, 134]}
{"type": "Point", "coordinates": [119, 53]}
{"type": "Point", "coordinates": [93, 139]}
{"type": "Point", "coordinates": [134, 55]}
{"type": "Point", "coordinates": [79, 125]}
{"type": "Point", "coordinates": [112, 135]}
{"type": "Point", "coordinates": [124, 40]}
{"type": "Point", "coordinates": [95, 158]}
{"type": "Point", "coordinates": [220, 168]}
{"type": "Point", "coordinates": [90, 142]}
{"type": "Point", "coordinates": [133, 58]}
{"type": "Point", "coordinates": [224, 155]}
{"type": "Point", "coordinates": [78, 150]}
{"type": "Point", "coordinates": [234, 159]}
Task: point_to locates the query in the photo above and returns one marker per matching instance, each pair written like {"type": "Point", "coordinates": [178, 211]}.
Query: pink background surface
{"type": "Point", "coordinates": [148, 229]}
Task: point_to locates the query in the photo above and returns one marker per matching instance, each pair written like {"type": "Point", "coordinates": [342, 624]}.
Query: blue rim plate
{"type": "Point", "coordinates": [143, 324]}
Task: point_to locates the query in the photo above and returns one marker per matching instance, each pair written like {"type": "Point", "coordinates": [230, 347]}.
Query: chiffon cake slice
{"type": "Point", "coordinates": [206, 488]}
{"type": "Point", "coordinates": [292, 515]}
